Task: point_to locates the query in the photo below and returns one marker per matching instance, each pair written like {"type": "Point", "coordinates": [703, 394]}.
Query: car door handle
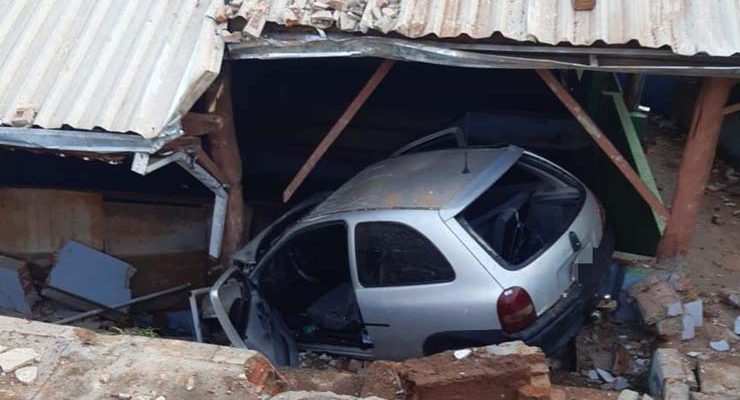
{"type": "Point", "coordinates": [575, 242]}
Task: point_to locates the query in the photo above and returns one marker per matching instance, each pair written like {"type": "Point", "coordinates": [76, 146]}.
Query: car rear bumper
{"type": "Point", "coordinates": [562, 321]}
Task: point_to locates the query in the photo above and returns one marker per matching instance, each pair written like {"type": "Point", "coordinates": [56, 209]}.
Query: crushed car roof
{"type": "Point", "coordinates": [442, 179]}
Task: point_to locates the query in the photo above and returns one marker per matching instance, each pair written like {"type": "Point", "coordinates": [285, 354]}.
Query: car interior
{"type": "Point", "coordinates": [307, 281]}
{"type": "Point", "coordinates": [524, 212]}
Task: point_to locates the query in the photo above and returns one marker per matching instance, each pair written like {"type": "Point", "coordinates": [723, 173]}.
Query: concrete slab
{"type": "Point", "coordinates": [79, 364]}
{"type": "Point", "coordinates": [91, 274]}
{"type": "Point", "coordinates": [16, 288]}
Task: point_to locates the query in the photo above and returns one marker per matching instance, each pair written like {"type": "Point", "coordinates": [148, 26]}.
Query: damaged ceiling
{"type": "Point", "coordinates": [687, 27]}
{"type": "Point", "coordinates": [120, 66]}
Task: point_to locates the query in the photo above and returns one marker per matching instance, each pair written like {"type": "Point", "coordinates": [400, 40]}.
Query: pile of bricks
{"type": "Point", "coordinates": [345, 15]}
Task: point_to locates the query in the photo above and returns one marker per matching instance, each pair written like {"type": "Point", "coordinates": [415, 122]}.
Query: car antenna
{"type": "Point", "coordinates": [466, 170]}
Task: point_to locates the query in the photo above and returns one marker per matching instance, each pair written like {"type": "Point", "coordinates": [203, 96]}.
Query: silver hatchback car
{"type": "Point", "coordinates": [421, 253]}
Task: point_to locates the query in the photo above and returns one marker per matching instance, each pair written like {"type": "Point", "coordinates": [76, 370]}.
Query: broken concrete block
{"type": "Point", "coordinates": [17, 358]}
{"type": "Point", "coordinates": [667, 366]}
{"type": "Point", "coordinates": [669, 327]}
{"type": "Point", "coordinates": [264, 377]}
{"type": "Point", "coordinates": [689, 330]}
{"type": "Point", "coordinates": [16, 287]}
{"type": "Point", "coordinates": [658, 304]}
{"type": "Point", "coordinates": [737, 325]}
{"type": "Point", "coordinates": [628, 395]}
{"type": "Point", "coordinates": [508, 370]}
{"type": "Point", "coordinates": [674, 309]}
{"type": "Point", "coordinates": [696, 310]}
{"type": "Point", "coordinates": [23, 116]}
{"type": "Point", "coordinates": [731, 298]}
{"type": "Point", "coordinates": [90, 274]}
{"type": "Point", "coordinates": [26, 375]}
{"type": "Point", "coordinates": [720, 345]}
{"type": "Point", "coordinates": [460, 354]}
{"type": "Point", "coordinates": [620, 383]}
{"type": "Point", "coordinates": [719, 378]}
{"type": "Point", "coordinates": [605, 375]}
{"type": "Point", "coordinates": [676, 391]}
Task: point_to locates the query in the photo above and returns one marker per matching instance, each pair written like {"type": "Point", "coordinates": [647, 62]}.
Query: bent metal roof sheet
{"type": "Point", "coordinates": [121, 66]}
{"type": "Point", "coordinates": [688, 27]}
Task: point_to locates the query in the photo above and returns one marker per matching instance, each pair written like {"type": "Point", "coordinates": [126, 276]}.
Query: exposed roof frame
{"type": "Point", "coordinates": [86, 141]}
{"type": "Point", "coordinates": [285, 45]}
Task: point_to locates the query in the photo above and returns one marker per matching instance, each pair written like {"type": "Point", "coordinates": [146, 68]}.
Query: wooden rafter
{"type": "Point", "coordinates": [603, 142]}
{"type": "Point", "coordinates": [338, 128]}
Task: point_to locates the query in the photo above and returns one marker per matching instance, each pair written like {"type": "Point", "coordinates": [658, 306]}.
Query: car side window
{"type": "Point", "coordinates": [394, 254]}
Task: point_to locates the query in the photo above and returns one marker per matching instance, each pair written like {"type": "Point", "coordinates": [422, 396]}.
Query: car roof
{"type": "Point", "coordinates": [430, 180]}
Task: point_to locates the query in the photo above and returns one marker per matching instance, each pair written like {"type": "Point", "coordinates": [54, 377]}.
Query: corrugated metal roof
{"type": "Point", "coordinates": [118, 65]}
{"type": "Point", "coordinates": [688, 27]}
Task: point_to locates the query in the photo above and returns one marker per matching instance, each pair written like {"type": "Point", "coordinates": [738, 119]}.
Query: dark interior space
{"type": "Point", "coordinates": [308, 282]}
{"type": "Point", "coordinates": [282, 109]}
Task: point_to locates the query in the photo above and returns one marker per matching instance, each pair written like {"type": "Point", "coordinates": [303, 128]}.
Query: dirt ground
{"type": "Point", "coordinates": [713, 263]}
{"type": "Point", "coordinates": [714, 259]}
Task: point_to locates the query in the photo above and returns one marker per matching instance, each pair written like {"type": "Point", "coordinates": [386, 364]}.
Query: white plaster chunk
{"type": "Point", "coordinates": [17, 358]}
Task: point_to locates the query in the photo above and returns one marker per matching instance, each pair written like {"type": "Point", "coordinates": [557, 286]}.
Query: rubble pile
{"type": "Point", "coordinates": [250, 16]}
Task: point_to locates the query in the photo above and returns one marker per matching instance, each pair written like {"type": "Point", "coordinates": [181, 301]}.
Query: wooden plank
{"type": "Point", "coordinates": [731, 109]}
{"type": "Point", "coordinates": [202, 158]}
{"type": "Point", "coordinates": [338, 127]}
{"type": "Point", "coordinates": [696, 165]}
{"type": "Point", "coordinates": [227, 159]}
{"type": "Point", "coordinates": [198, 124]}
{"type": "Point", "coordinates": [603, 142]}
{"type": "Point", "coordinates": [641, 163]}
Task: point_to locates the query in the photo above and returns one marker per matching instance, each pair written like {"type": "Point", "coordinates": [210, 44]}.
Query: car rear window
{"type": "Point", "coordinates": [524, 212]}
{"type": "Point", "coordinates": [393, 254]}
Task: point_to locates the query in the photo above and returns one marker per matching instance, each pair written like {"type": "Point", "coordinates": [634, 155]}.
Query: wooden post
{"type": "Point", "coordinates": [338, 127]}
{"type": "Point", "coordinates": [224, 150]}
{"type": "Point", "coordinates": [603, 142]}
{"type": "Point", "coordinates": [696, 165]}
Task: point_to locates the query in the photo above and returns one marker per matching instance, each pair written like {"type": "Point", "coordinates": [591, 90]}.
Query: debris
{"type": "Point", "coordinates": [696, 310]}
{"type": "Point", "coordinates": [693, 354]}
{"type": "Point", "coordinates": [628, 395]}
{"type": "Point", "coordinates": [657, 300]}
{"type": "Point", "coordinates": [719, 378]}
{"type": "Point", "coordinates": [720, 345]}
{"type": "Point", "coordinates": [731, 298]}
{"type": "Point", "coordinates": [688, 331]}
{"type": "Point", "coordinates": [460, 354]}
{"type": "Point", "coordinates": [17, 358]}
{"type": "Point", "coordinates": [190, 385]}
{"type": "Point", "coordinates": [674, 309]}
{"type": "Point", "coordinates": [16, 288]}
{"type": "Point", "coordinates": [737, 325]}
{"type": "Point", "coordinates": [593, 375]}
{"type": "Point", "coordinates": [77, 265]}
{"type": "Point", "coordinates": [304, 395]}
{"type": "Point", "coordinates": [26, 375]}
{"type": "Point", "coordinates": [513, 370]}
{"type": "Point", "coordinates": [620, 383]}
{"type": "Point", "coordinates": [605, 375]}
{"type": "Point", "coordinates": [23, 116]}
{"type": "Point", "coordinates": [667, 367]}
{"type": "Point", "coordinates": [676, 391]}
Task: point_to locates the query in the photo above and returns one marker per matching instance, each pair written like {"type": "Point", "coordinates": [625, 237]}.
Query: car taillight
{"type": "Point", "coordinates": [515, 310]}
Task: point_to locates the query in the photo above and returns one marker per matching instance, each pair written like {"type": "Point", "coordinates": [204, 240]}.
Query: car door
{"type": "Point", "coordinates": [408, 290]}
{"type": "Point", "coordinates": [250, 322]}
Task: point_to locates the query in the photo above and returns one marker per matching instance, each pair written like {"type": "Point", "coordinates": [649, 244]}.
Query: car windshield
{"type": "Point", "coordinates": [524, 212]}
